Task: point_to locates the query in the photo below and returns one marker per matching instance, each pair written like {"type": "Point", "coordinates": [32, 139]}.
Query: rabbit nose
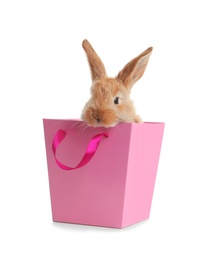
{"type": "Point", "coordinates": [97, 117]}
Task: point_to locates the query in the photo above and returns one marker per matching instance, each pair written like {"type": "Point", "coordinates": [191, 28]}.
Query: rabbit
{"type": "Point", "coordinates": [110, 102]}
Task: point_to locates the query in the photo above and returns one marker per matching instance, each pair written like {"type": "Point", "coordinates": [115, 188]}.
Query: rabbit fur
{"type": "Point", "coordinates": [110, 101]}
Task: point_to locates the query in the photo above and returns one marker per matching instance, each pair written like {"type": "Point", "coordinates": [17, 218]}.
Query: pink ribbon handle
{"type": "Point", "coordinates": [89, 153]}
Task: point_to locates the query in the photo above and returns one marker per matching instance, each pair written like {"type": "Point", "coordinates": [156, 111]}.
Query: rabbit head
{"type": "Point", "coordinates": [110, 101]}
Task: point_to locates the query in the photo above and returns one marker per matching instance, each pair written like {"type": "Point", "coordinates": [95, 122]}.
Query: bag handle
{"type": "Point", "coordinates": [89, 153]}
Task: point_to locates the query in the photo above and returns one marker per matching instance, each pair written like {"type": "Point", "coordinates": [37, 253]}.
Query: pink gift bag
{"type": "Point", "coordinates": [102, 177]}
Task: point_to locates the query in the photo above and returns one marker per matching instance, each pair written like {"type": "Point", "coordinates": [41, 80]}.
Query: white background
{"type": "Point", "coordinates": [44, 73]}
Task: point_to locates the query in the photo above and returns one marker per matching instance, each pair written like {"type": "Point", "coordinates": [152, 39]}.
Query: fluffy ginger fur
{"type": "Point", "coordinates": [110, 101]}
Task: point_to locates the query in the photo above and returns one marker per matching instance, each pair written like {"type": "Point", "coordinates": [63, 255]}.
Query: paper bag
{"type": "Point", "coordinates": [102, 176]}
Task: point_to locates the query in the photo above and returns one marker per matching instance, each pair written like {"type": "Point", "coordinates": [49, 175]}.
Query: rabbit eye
{"type": "Point", "coordinates": [116, 101]}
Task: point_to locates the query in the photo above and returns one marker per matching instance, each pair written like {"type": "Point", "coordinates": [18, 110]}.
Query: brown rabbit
{"type": "Point", "coordinates": [110, 97]}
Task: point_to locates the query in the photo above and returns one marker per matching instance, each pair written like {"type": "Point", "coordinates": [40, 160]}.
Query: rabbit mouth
{"type": "Point", "coordinates": [102, 122]}
{"type": "Point", "coordinates": [97, 118]}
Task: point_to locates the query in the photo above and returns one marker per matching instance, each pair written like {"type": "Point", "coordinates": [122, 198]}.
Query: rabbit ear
{"type": "Point", "coordinates": [96, 66]}
{"type": "Point", "coordinates": [134, 70]}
